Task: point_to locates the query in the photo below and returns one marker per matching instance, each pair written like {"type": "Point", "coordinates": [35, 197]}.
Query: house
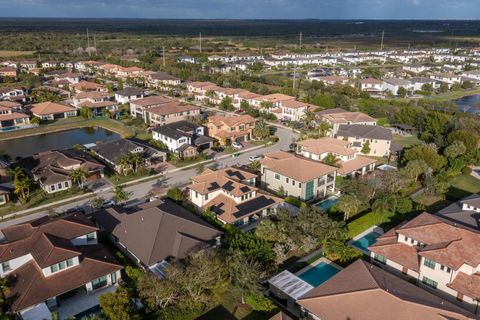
{"type": "Point", "coordinates": [447, 78]}
{"type": "Point", "coordinates": [52, 261]}
{"type": "Point", "coordinates": [70, 77]}
{"type": "Point", "coordinates": [127, 72]}
{"type": "Point", "coordinates": [8, 72]}
{"type": "Point", "coordinates": [338, 116]}
{"type": "Point", "coordinates": [331, 80]}
{"type": "Point", "coordinates": [230, 193]}
{"type": "Point", "coordinates": [10, 118]}
{"type": "Point", "coordinates": [52, 111]}
{"type": "Point", "coordinates": [350, 161]}
{"type": "Point", "coordinates": [291, 110]}
{"type": "Point", "coordinates": [465, 212]}
{"type": "Point", "coordinates": [473, 74]}
{"type": "Point", "coordinates": [394, 84]}
{"type": "Point", "coordinates": [87, 86]}
{"type": "Point", "coordinates": [417, 83]}
{"type": "Point", "coordinates": [437, 254]}
{"type": "Point", "coordinates": [230, 129]}
{"type": "Point", "coordinates": [6, 183]}
{"type": "Point", "coordinates": [52, 169]}
{"type": "Point", "coordinates": [112, 152]}
{"type": "Point", "coordinates": [13, 94]}
{"type": "Point", "coordinates": [162, 80]}
{"type": "Point", "coordinates": [365, 291]}
{"type": "Point", "coordinates": [275, 99]}
{"type": "Point", "coordinates": [368, 139]}
{"type": "Point", "coordinates": [156, 232]}
{"type": "Point", "coordinates": [245, 96]}
{"type": "Point", "coordinates": [295, 176]}
{"type": "Point", "coordinates": [90, 96]}
{"type": "Point", "coordinates": [187, 59]}
{"type": "Point", "coordinates": [415, 68]}
{"type": "Point", "coordinates": [371, 85]}
{"type": "Point", "coordinates": [183, 137]}
{"type": "Point", "coordinates": [128, 94]}
{"type": "Point", "coordinates": [138, 107]}
{"type": "Point", "coordinates": [170, 112]}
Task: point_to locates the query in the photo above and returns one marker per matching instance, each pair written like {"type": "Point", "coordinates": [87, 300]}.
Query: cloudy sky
{"type": "Point", "coordinates": [239, 9]}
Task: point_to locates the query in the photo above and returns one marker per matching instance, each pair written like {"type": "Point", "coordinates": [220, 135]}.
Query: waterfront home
{"type": "Point", "coordinates": [338, 116]}
{"type": "Point", "coordinates": [295, 176]}
{"type": "Point", "coordinates": [170, 112]}
{"type": "Point", "coordinates": [447, 78]}
{"type": "Point", "coordinates": [183, 138]}
{"type": "Point", "coordinates": [128, 94]}
{"type": "Point", "coordinates": [11, 117]}
{"type": "Point", "coordinates": [91, 99]}
{"type": "Point", "coordinates": [436, 253]}
{"type": "Point", "coordinates": [394, 84]}
{"type": "Point", "coordinates": [87, 86]}
{"type": "Point", "coordinates": [113, 152]}
{"type": "Point", "coordinates": [52, 170]}
{"type": "Point", "coordinates": [368, 139]}
{"type": "Point", "coordinates": [156, 232]}
{"type": "Point", "coordinates": [349, 161]}
{"type": "Point", "coordinates": [230, 193]}
{"type": "Point", "coordinates": [227, 129]}
{"type": "Point", "coordinates": [365, 291]}
{"type": "Point", "coordinates": [51, 262]}
{"type": "Point", "coordinates": [138, 107]}
{"type": "Point", "coordinates": [52, 111]}
{"type": "Point", "coordinates": [417, 83]}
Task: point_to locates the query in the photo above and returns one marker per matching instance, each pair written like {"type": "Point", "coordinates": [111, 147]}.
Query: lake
{"type": "Point", "coordinates": [470, 104]}
{"type": "Point", "coordinates": [27, 146]}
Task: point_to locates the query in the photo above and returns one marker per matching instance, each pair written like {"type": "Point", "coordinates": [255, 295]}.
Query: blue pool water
{"type": "Point", "coordinates": [319, 274]}
{"type": "Point", "coordinates": [327, 203]}
{"type": "Point", "coordinates": [366, 241]}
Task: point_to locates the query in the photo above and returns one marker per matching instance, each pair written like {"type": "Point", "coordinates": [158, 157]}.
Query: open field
{"type": "Point", "coordinates": [12, 53]}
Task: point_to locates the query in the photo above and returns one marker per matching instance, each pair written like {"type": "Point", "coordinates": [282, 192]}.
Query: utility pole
{"type": "Point", "coordinates": [163, 55]}
{"type": "Point", "coordinates": [294, 76]}
{"type": "Point", "coordinates": [383, 35]}
{"type": "Point", "coordinates": [300, 40]}
{"type": "Point", "coordinates": [88, 44]}
{"type": "Point", "coordinates": [95, 43]}
{"type": "Point", "coordinates": [200, 42]}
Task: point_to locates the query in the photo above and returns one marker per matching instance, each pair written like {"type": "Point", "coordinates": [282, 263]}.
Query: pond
{"type": "Point", "coordinates": [470, 104]}
{"type": "Point", "coordinates": [27, 146]}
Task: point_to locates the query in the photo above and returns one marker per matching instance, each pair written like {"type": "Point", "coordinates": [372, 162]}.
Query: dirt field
{"type": "Point", "coordinates": [8, 53]}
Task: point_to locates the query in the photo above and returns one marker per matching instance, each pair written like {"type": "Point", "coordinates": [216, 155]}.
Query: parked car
{"type": "Point", "coordinates": [237, 145]}
{"type": "Point", "coordinates": [108, 204]}
{"type": "Point", "coordinates": [255, 157]}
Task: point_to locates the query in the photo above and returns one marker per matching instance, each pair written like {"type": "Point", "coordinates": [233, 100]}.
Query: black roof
{"type": "Point", "coordinates": [364, 131]}
{"type": "Point", "coordinates": [114, 150]}
{"type": "Point", "coordinates": [130, 91]}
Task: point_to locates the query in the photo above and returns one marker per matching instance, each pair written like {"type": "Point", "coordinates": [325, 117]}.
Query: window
{"type": "Point", "coordinates": [90, 236]}
{"type": "Point", "coordinates": [66, 184]}
{"type": "Point", "coordinates": [59, 186]}
{"type": "Point", "coordinates": [287, 180]}
{"type": "Point", "coordinates": [62, 265]}
{"type": "Point", "coordinates": [299, 185]}
{"type": "Point", "coordinates": [406, 238]}
{"type": "Point", "coordinates": [449, 270]}
{"type": "Point", "coordinates": [429, 282]}
{"type": "Point", "coordinates": [206, 196]}
{"type": "Point", "coordinates": [293, 182]}
{"type": "Point", "coordinates": [277, 176]}
{"type": "Point", "coordinates": [54, 268]}
{"type": "Point", "coordinates": [99, 282]}
{"type": "Point", "coordinates": [70, 262]}
{"type": "Point", "coordinates": [380, 258]}
{"type": "Point", "coordinates": [6, 266]}
{"type": "Point", "coordinates": [114, 278]}
{"type": "Point", "coordinates": [52, 187]}
{"type": "Point", "coordinates": [429, 263]}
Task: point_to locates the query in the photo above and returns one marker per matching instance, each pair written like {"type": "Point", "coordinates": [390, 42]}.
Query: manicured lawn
{"type": "Point", "coordinates": [462, 186]}
{"type": "Point", "coordinates": [366, 221]}
{"type": "Point", "coordinates": [406, 141]}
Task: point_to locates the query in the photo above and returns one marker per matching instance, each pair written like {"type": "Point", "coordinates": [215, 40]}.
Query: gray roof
{"type": "Point", "coordinates": [397, 82]}
{"type": "Point", "coordinates": [130, 91]}
{"type": "Point", "coordinates": [329, 111]}
{"type": "Point", "coordinates": [114, 150]}
{"type": "Point", "coordinates": [364, 131]}
{"type": "Point", "coordinates": [421, 80]}
{"type": "Point", "coordinates": [290, 284]}
{"type": "Point", "coordinates": [163, 76]}
{"type": "Point", "coordinates": [176, 130]}
{"type": "Point", "coordinates": [454, 213]}
{"type": "Point", "coordinates": [157, 230]}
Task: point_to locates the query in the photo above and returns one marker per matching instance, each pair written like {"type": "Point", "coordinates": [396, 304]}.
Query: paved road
{"type": "Point", "coordinates": [176, 179]}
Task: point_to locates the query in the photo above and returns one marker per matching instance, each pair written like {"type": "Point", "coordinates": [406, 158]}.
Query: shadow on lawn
{"type": "Point", "coordinates": [217, 313]}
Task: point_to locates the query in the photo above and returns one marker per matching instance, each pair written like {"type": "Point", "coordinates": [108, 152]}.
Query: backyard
{"type": "Point", "coordinates": [462, 186]}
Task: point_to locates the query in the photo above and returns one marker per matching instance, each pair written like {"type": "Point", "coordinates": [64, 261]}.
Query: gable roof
{"type": "Point", "coordinates": [364, 131]}
{"type": "Point", "coordinates": [172, 107]}
{"type": "Point", "coordinates": [364, 291]}
{"type": "Point", "coordinates": [158, 230]}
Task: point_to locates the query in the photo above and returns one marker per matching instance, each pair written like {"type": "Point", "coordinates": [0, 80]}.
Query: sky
{"type": "Point", "coordinates": [244, 9]}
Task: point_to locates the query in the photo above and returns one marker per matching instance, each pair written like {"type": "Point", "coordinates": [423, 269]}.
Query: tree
{"type": "Point", "coordinates": [78, 176]}
{"type": "Point", "coordinates": [349, 204]}
{"type": "Point", "coordinates": [243, 273]}
{"type": "Point", "coordinates": [175, 194]}
{"type": "Point", "coordinates": [255, 165]}
{"type": "Point", "coordinates": [425, 153]}
{"type": "Point", "coordinates": [21, 188]}
{"type": "Point", "coordinates": [366, 147]}
{"type": "Point", "coordinates": [261, 130]}
{"type": "Point", "coordinates": [427, 87]}
{"type": "Point", "coordinates": [415, 168]}
{"type": "Point", "coordinates": [331, 160]}
{"type": "Point", "coordinates": [467, 85]}
{"type": "Point", "coordinates": [244, 105]}
{"type": "Point", "coordinates": [226, 104]}
{"type": "Point", "coordinates": [324, 128]}
{"type": "Point", "coordinates": [97, 202]}
{"type": "Point", "coordinates": [35, 121]}
{"type": "Point", "coordinates": [402, 92]}
{"type": "Point", "coordinates": [86, 113]}
{"type": "Point", "coordinates": [454, 150]}
{"type": "Point", "coordinates": [308, 118]}
{"type": "Point", "coordinates": [118, 305]}
{"type": "Point", "coordinates": [469, 138]}
{"type": "Point", "coordinates": [120, 84]}
{"type": "Point", "coordinates": [266, 105]}
{"type": "Point", "coordinates": [385, 204]}
{"type": "Point", "coordinates": [121, 196]}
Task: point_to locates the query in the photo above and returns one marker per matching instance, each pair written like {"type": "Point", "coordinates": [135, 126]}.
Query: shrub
{"type": "Point", "coordinates": [295, 202]}
{"type": "Point", "coordinates": [259, 302]}
{"type": "Point", "coordinates": [467, 171]}
{"type": "Point", "coordinates": [134, 273]}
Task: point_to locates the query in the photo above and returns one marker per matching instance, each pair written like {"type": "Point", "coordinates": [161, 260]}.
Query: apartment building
{"type": "Point", "coordinates": [295, 176]}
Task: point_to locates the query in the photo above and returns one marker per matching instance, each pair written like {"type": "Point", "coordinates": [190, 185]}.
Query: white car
{"type": "Point", "coordinates": [255, 158]}
{"type": "Point", "coordinates": [107, 204]}
{"type": "Point", "coordinates": [237, 145]}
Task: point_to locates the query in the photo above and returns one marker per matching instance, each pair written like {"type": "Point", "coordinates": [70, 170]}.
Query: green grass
{"type": "Point", "coordinates": [462, 186]}
{"type": "Point", "coordinates": [406, 141]}
{"type": "Point", "coordinates": [366, 221]}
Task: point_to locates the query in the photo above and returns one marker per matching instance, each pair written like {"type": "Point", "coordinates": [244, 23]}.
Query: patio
{"type": "Point", "coordinates": [80, 302]}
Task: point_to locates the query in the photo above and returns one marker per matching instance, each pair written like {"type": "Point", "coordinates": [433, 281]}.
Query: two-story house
{"type": "Point", "coordinates": [162, 80]}
{"type": "Point", "coordinates": [349, 161]}
{"type": "Point", "coordinates": [183, 137]}
{"type": "Point", "coordinates": [11, 118]}
{"type": "Point", "coordinates": [87, 86]}
{"type": "Point", "coordinates": [138, 107]}
{"type": "Point", "coordinates": [231, 194]}
{"type": "Point", "coordinates": [169, 113]}
{"type": "Point", "coordinates": [128, 94]}
{"type": "Point", "coordinates": [50, 261]}
{"type": "Point", "coordinates": [437, 253]}
{"type": "Point", "coordinates": [368, 139]}
{"type": "Point", "coordinates": [338, 116]}
{"type": "Point", "coordinates": [371, 85]}
{"type": "Point", "coordinates": [294, 176]}
{"type": "Point", "coordinates": [230, 129]}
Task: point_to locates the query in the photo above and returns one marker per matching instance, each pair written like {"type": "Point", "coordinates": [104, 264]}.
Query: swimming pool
{"type": "Point", "coordinates": [318, 274]}
{"type": "Point", "coordinates": [366, 241]}
{"type": "Point", "coordinates": [327, 203]}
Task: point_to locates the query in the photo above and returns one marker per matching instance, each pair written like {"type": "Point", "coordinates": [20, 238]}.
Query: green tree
{"type": "Point", "coordinates": [266, 105]}
{"type": "Point", "coordinates": [366, 147]}
{"type": "Point", "coordinates": [415, 168]}
{"type": "Point", "coordinates": [175, 194]}
{"type": "Point", "coordinates": [469, 138]}
{"type": "Point", "coordinates": [427, 87]}
{"type": "Point", "coordinates": [86, 113]}
{"type": "Point", "coordinates": [261, 130]}
{"type": "Point", "coordinates": [454, 150]}
{"type": "Point", "coordinates": [425, 153]}
{"type": "Point", "coordinates": [467, 85]}
{"type": "Point", "coordinates": [97, 202]}
{"type": "Point", "coordinates": [243, 273]}
{"type": "Point", "coordinates": [35, 121]}
{"type": "Point", "coordinates": [255, 165]}
{"type": "Point", "coordinates": [121, 195]}
{"type": "Point", "coordinates": [118, 305]}
{"type": "Point", "coordinates": [226, 104]}
{"type": "Point", "coordinates": [244, 105]}
{"type": "Point", "coordinates": [324, 128]}
{"type": "Point", "coordinates": [78, 176]}
{"type": "Point", "coordinates": [331, 160]}
{"type": "Point", "coordinates": [385, 204]}
{"type": "Point", "coordinates": [349, 204]}
{"type": "Point", "coordinates": [21, 188]}
{"type": "Point", "coordinates": [402, 92]}
{"type": "Point", "coordinates": [120, 84]}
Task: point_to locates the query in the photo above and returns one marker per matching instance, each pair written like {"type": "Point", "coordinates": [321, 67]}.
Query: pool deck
{"type": "Point", "coordinates": [316, 262]}
{"type": "Point", "coordinates": [376, 229]}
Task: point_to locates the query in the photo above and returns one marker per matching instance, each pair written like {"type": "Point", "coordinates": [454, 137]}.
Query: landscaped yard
{"type": "Point", "coordinates": [366, 221]}
{"type": "Point", "coordinates": [462, 186]}
{"type": "Point", "coordinates": [406, 141]}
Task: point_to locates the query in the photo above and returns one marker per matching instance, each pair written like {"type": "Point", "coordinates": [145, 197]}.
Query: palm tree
{"type": "Point", "coordinates": [331, 160]}
{"type": "Point", "coordinates": [323, 128]}
{"type": "Point", "coordinates": [136, 160]}
{"type": "Point", "coordinates": [336, 231]}
{"type": "Point", "coordinates": [261, 130]}
{"type": "Point", "coordinates": [35, 121]}
{"type": "Point", "coordinates": [16, 173]}
{"type": "Point", "coordinates": [21, 187]}
{"type": "Point", "coordinates": [308, 118]}
{"type": "Point", "coordinates": [78, 176]}
{"type": "Point", "coordinates": [121, 195]}
{"type": "Point", "coordinates": [415, 168]}
{"type": "Point", "coordinates": [349, 204]}
{"type": "Point", "coordinates": [385, 204]}
{"type": "Point", "coordinates": [255, 165]}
